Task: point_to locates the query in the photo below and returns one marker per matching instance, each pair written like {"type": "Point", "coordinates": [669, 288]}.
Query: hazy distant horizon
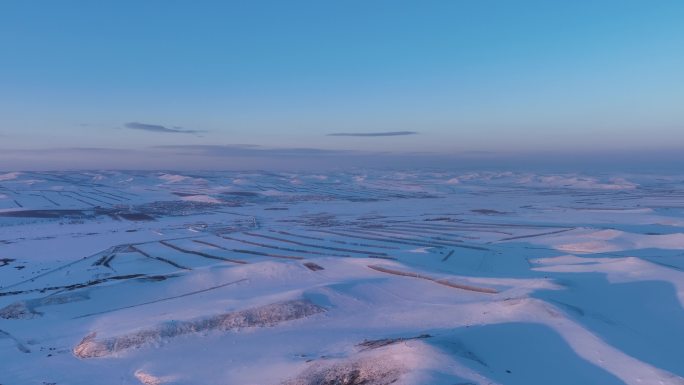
{"type": "Point", "coordinates": [228, 158]}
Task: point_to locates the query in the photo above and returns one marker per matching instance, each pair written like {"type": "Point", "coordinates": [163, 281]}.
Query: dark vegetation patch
{"type": "Point", "coordinates": [27, 309]}
{"type": "Point", "coordinates": [6, 261]}
{"type": "Point", "coordinates": [487, 212]}
{"type": "Point", "coordinates": [445, 282]}
{"type": "Point", "coordinates": [199, 253]}
{"type": "Point", "coordinates": [105, 260]}
{"type": "Point", "coordinates": [359, 371]}
{"type": "Point", "coordinates": [263, 316]}
{"type": "Point", "coordinates": [252, 252]}
{"type": "Point", "coordinates": [314, 245]}
{"type": "Point", "coordinates": [77, 214]}
{"type": "Point", "coordinates": [439, 219]}
{"type": "Point", "coordinates": [241, 194]}
{"type": "Point", "coordinates": [342, 242]}
{"type": "Point", "coordinates": [136, 216]}
{"type": "Point", "coordinates": [177, 208]}
{"type": "Point", "coordinates": [17, 310]}
{"type": "Point", "coordinates": [48, 214]}
{"type": "Point", "coordinates": [374, 344]}
{"type": "Point", "coordinates": [448, 255]}
{"type": "Point", "coordinates": [315, 220]}
{"type": "Point", "coordinates": [313, 266]}
{"type": "Point", "coordinates": [165, 260]}
{"type": "Point", "coordinates": [75, 286]}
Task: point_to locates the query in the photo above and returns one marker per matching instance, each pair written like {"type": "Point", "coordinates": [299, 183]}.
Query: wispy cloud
{"type": "Point", "coordinates": [248, 150]}
{"type": "Point", "coordinates": [66, 150]}
{"type": "Point", "coordinates": [387, 133]}
{"type": "Point", "coordinates": [160, 128]}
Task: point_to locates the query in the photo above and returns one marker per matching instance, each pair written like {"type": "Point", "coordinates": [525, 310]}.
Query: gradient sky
{"type": "Point", "coordinates": [140, 84]}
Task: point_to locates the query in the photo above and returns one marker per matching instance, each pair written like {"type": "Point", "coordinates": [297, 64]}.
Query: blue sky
{"type": "Point", "coordinates": [264, 79]}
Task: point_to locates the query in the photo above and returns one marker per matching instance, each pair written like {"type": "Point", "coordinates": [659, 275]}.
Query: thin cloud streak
{"type": "Point", "coordinates": [159, 128]}
{"type": "Point", "coordinates": [374, 134]}
{"type": "Point", "coordinates": [250, 150]}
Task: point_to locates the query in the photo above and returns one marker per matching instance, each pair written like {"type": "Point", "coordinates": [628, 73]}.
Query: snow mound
{"type": "Point", "coordinates": [360, 372]}
{"type": "Point", "coordinates": [175, 178]}
{"type": "Point", "coordinates": [577, 182]}
{"type": "Point", "coordinates": [614, 240]}
{"type": "Point", "coordinates": [404, 361]}
{"type": "Point", "coordinates": [147, 379]}
{"type": "Point", "coordinates": [264, 316]}
{"type": "Point", "coordinates": [9, 176]}
{"type": "Point", "coordinates": [375, 368]}
{"type": "Point", "coordinates": [201, 198]}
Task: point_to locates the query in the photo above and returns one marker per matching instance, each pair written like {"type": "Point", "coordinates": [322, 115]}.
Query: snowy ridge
{"type": "Point", "coordinates": [269, 315]}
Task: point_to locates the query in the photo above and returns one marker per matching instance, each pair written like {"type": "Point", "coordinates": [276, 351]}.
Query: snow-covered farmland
{"type": "Point", "coordinates": [341, 279]}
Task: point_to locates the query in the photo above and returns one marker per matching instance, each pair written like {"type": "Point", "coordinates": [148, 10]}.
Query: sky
{"type": "Point", "coordinates": [270, 84]}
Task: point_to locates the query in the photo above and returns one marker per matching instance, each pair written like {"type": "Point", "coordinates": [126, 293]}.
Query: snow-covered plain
{"type": "Point", "coordinates": [341, 279]}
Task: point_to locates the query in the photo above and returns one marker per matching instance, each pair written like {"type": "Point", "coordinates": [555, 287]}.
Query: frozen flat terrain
{"type": "Point", "coordinates": [341, 279]}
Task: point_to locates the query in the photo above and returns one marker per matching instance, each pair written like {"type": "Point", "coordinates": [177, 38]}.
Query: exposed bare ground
{"type": "Point", "coordinates": [382, 367]}
{"type": "Point", "coordinates": [263, 316]}
{"type": "Point", "coordinates": [374, 344]}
